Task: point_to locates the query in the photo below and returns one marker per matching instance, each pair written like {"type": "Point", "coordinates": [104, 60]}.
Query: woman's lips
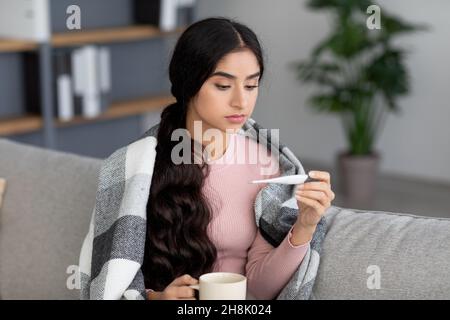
{"type": "Point", "coordinates": [236, 118]}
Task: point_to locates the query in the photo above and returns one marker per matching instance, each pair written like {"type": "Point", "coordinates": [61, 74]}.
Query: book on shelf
{"type": "Point", "coordinates": [147, 12]}
{"type": "Point", "coordinates": [167, 15]}
{"type": "Point", "coordinates": [77, 79]}
{"type": "Point", "coordinates": [86, 71]}
{"type": "Point", "coordinates": [81, 82]}
{"type": "Point", "coordinates": [105, 78]}
{"type": "Point", "coordinates": [185, 12]}
{"type": "Point", "coordinates": [31, 74]}
{"type": "Point", "coordinates": [91, 67]}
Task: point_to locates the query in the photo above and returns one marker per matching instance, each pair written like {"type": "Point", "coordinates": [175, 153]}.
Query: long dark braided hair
{"type": "Point", "coordinates": [177, 213]}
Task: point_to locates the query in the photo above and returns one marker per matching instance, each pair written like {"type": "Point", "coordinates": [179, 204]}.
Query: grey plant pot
{"type": "Point", "coordinates": [357, 178]}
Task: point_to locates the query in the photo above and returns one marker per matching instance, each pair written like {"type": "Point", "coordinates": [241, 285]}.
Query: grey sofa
{"type": "Point", "coordinates": [49, 199]}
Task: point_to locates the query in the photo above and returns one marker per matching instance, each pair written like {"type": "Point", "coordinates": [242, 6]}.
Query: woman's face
{"type": "Point", "coordinates": [232, 89]}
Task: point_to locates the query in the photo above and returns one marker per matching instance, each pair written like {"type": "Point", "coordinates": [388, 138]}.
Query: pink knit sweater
{"type": "Point", "coordinates": [233, 230]}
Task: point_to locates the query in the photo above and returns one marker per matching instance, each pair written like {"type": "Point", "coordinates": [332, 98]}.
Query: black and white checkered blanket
{"type": "Point", "coordinates": [113, 250]}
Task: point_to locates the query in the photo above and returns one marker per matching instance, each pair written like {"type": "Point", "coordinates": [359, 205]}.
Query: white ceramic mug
{"type": "Point", "coordinates": [222, 286]}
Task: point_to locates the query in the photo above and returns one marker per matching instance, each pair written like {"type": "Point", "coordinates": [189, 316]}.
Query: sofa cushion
{"type": "Point", "coordinates": [50, 197]}
{"type": "Point", "coordinates": [384, 255]}
{"type": "Point", "coordinates": [44, 219]}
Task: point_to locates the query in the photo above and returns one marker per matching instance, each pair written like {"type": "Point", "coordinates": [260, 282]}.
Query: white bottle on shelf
{"type": "Point", "coordinates": [86, 80]}
{"type": "Point", "coordinates": [65, 97]}
{"type": "Point", "coordinates": [91, 92]}
{"type": "Point", "coordinates": [168, 15]}
{"type": "Point", "coordinates": [104, 72]}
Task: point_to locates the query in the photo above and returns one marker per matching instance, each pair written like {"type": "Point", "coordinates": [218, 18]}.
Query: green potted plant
{"type": "Point", "coordinates": [359, 74]}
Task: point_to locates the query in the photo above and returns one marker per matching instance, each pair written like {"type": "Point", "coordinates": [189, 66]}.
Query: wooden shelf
{"type": "Point", "coordinates": [31, 123]}
{"type": "Point", "coordinates": [109, 35]}
{"type": "Point", "coordinates": [76, 38]}
{"type": "Point", "coordinates": [8, 45]}
{"type": "Point", "coordinates": [24, 124]}
{"type": "Point", "coordinates": [123, 109]}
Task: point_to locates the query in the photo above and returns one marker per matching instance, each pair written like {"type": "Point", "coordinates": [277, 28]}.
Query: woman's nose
{"type": "Point", "coordinates": [240, 99]}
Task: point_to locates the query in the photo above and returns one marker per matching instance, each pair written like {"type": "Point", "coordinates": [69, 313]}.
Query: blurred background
{"type": "Point", "coordinates": [359, 93]}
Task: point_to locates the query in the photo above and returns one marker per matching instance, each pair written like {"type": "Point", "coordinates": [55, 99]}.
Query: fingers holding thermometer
{"type": "Point", "coordinates": [321, 182]}
{"type": "Point", "coordinates": [319, 189]}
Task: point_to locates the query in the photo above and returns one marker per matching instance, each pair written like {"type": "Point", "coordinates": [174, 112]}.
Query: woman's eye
{"type": "Point", "coordinates": [226, 87]}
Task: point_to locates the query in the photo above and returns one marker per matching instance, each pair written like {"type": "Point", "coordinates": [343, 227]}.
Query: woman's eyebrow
{"type": "Point", "coordinates": [230, 76]}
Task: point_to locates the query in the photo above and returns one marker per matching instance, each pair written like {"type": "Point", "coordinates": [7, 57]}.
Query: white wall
{"type": "Point", "coordinates": [415, 144]}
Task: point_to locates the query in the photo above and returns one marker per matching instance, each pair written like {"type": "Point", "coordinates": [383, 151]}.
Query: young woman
{"type": "Point", "coordinates": [200, 217]}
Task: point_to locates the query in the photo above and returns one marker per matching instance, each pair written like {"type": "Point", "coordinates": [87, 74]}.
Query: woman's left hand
{"type": "Point", "coordinates": [314, 198]}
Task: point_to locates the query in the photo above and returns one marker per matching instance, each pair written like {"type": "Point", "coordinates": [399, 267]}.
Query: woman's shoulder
{"type": "Point", "coordinates": [131, 155]}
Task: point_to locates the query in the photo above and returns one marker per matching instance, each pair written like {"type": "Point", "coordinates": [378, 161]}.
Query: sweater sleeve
{"type": "Point", "coordinates": [269, 269]}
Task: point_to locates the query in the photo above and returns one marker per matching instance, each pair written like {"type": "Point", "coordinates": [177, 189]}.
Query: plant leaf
{"type": "Point", "coordinates": [349, 39]}
{"type": "Point", "coordinates": [392, 26]}
{"type": "Point", "coordinates": [388, 73]}
{"type": "Point", "coordinates": [321, 73]}
{"type": "Point", "coordinates": [331, 102]}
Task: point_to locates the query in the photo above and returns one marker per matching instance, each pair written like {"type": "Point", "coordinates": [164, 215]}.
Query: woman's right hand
{"type": "Point", "coordinates": [178, 289]}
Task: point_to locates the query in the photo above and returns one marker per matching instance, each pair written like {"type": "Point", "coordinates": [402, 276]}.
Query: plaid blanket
{"type": "Point", "coordinates": [113, 250]}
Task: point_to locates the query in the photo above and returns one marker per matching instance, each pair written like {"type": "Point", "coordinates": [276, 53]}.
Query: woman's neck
{"type": "Point", "coordinates": [216, 144]}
